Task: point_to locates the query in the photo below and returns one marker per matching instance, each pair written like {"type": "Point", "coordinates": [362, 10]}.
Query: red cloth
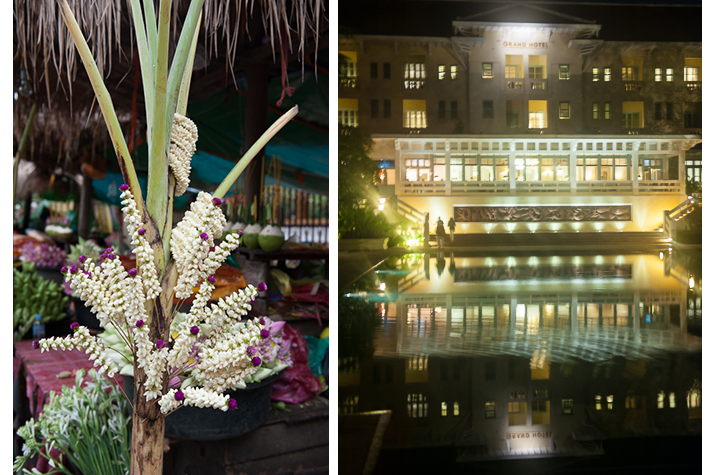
{"type": "Point", "coordinates": [297, 383]}
{"type": "Point", "coordinates": [40, 371]}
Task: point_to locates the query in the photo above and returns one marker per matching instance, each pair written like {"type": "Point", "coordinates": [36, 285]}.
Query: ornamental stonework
{"type": "Point", "coordinates": [517, 214]}
{"type": "Point", "coordinates": [543, 272]}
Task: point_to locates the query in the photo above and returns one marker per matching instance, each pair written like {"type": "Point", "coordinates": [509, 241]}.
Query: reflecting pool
{"type": "Point", "coordinates": [504, 358]}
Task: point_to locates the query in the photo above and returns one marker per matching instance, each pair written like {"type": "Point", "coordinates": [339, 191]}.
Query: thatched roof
{"type": "Point", "coordinates": [68, 127]}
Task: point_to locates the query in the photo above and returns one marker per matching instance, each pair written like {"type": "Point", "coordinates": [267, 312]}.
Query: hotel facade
{"type": "Point", "coordinates": [515, 126]}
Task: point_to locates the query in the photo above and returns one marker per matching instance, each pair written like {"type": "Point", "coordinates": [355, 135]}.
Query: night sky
{"type": "Point", "coordinates": [651, 21]}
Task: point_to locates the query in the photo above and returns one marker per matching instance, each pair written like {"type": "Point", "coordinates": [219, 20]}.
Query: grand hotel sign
{"type": "Point", "coordinates": [514, 214]}
{"type": "Point", "coordinates": [524, 44]}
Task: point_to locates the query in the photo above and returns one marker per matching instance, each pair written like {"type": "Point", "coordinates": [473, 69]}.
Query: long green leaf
{"type": "Point", "coordinates": [253, 151]}
{"type": "Point", "coordinates": [184, 93]}
{"type": "Point", "coordinates": [144, 55]}
{"type": "Point", "coordinates": [104, 100]}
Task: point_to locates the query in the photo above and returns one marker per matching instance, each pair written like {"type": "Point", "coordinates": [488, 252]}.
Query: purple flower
{"type": "Point", "coordinates": [111, 256]}
{"type": "Point", "coordinates": [195, 330]}
{"type": "Point", "coordinates": [64, 269]}
{"type": "Point", "coordinates": [73, 269]}
{"type": "Point", "coordinates": [261, 287]}
{"type": "Point", "coordinates": [139, 323]}
{"type": "Point", "coordinates": [262, 321]}
{"type": "Point", "coordinates": [256, 361]}
{"type": "Point", "coordinates": [216, 201]}
{"type": "Point", "coordinates": [251, 351]}
{"type": "Point", "coordinates": [179, 396]}
{"type": "Point", "coordinates": [160, 344]}
{"type": "Point", "coordinates": [211, 279]}
{"type": "Point", "coordinates": [35, 344]}
{"type": "Point", "coordinates": [82, 259]}
{"type": "Point", "coordinates": [123, 187]}
{"type": "Point", "coordinates": [265, 333]}
{"type": "Point", "coordinates": [74, 326]}
{"type": "Point", "coordinates": [132, 272]}
{"type": "Point", "coordinates": [109, 250]}
{"type": "Point", "coordinates": [232, 404]}
{"type": "Point", "coordinates": [240, 232]}
{"type": "Point", "coordinates": [141, 231]}
{"type": "Point", "coordinates": [104, 256]}
{"type": "Point", "coordinates": [204, 236]}
{"type": "Point", "coordinates": [88, 274]}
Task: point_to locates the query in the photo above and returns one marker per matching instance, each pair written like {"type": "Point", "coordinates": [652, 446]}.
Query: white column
{"type": "Point", "coordinates": [400, 172]}
{"type": "Point", "coordinates": [635, 167]}
{"type": "Point", "coordinates": [511, 167]}
{"type": "Point", "coordinates": [447, 157]}
{"type": "Point", "coordinates": [573, 167]}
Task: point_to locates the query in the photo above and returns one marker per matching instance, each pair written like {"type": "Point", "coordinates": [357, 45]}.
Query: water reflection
{"type": "Point", "coordinates": [509, 357]}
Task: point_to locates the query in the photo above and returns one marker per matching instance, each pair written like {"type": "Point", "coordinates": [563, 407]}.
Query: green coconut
{"type": "Point", "coordinates": [251, 236]}
{"type": "Point", "coordinates": [271, 238]}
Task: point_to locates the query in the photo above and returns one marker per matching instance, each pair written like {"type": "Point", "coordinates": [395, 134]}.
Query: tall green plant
{"type": "Point", "coordinates": [165, 91]}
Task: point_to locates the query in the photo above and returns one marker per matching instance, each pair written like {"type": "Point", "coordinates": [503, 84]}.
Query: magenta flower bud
{"type": "Point", "coordinates": [256, 361]}
{"type": "Point", "coordinates": [216, 201]}
{"type": "Point", "coordinates": [88, 274]}
{"type": "Point", "coordinates": [211, 279]}
{"type": "Point", "coordinates": [104, 255]}
{"type": "Point", "coordinates": [109, 250]}
{"type": "Point", "coordinates": [141, 231]}
{"type": "Point", "coordinates": [195, 330]}
{"type": "Point", "coordinates": [232, 404]}
{"type": "Point", "coordinates": [240, 232]}
{"type": "Point", "coordinates": [261, 287]}
{"type": "Point", "coordinates": [64, 269]}
{"type": "Point", "coordinates": [132, 272]}
{"type": "Point", "coordinates": [123, 187]}
{"type": "Point", "coordinates": [82, 259]}
{"type": "Point", "coordinates": [262, 321]}
{"type": "Point", "coordinates": [74, 325]}
{"type": "Point", "coordinates": [73, 269]}
{"type": "Point", "coordinates": [264, 333]}
{"type": "Point", "coordinates": [35, 344]}
{"type": "Point", "coordinates": [111, 256]}
{"type": "Point", "coordinates": [204, 236]}
{"type": "Point", "coordinates": [179, 396]}
{"type": "Point", "coordinates": [160, 344]}
{"type": "Point", "coordinates": [139, 323]}
{"type": "Point", "coordinates": [251, 351]}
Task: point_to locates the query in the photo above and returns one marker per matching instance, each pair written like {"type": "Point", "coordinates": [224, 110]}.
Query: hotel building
{"type": "Point", "coordinates": [524, 119]}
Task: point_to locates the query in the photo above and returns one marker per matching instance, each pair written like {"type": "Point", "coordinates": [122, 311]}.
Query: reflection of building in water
{"type": "Point", "coordinates": [512, 367]}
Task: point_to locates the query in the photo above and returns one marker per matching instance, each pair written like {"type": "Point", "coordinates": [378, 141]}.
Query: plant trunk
{"type": "Point", "coordinates": [147, 436]}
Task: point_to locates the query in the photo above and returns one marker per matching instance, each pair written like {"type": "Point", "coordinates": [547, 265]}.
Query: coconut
{"type": "Point", "coordinates": [271, 238]}
{"type": "Point", "coordinates": [251, 236]}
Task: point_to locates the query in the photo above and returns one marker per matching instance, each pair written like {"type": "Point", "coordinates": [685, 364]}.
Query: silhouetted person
{"type": "Point", "coordinates": [440, 233]}
{"type": "Point", "coordinates": [452, 227]}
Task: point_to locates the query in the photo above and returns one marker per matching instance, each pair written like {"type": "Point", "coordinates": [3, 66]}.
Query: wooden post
{"type": "Point", "coordinates": [255, 125]}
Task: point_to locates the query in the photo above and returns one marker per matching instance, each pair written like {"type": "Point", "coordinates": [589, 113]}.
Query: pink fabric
{"type": "Point", "coordinates": [297, 383]}
{"type": "Point", "coordinates": [40, 371]}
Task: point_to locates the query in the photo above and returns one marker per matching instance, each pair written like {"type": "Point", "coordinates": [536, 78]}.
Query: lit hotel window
{"type": "Point", "coordinates": [347, 117]}
{"type": "Point", "coordinates": [691, 74]}
{"type": "Point", "coordinates": [607, 74]}
{"type": "Point", "coordinates": [567, 405]}
{"type": "Point", "coordinates": [610, 402]}
{"type": "Point", "coordinates": [414, 114]}
{"type": "Point", "coordinates": [417, 407]}
{"type": "Point", "coordinates": [660, 400]}
{"type": "Point", "coordinates": [630, 73]}
{"type": "Point", "coordinates": [598, 402]}
{"type": "Point", "coordinates": [632, 402]}
{"type": "Point", "coordinates": [490, 410]}
{"type": "Point", "coordinates": [671, 400]}
{"type": "Point", "coordinates": [454, 71]}
{"type": "Point", "coordinates": [595, 74]}
{"type": "Point", "coordinates": [693, 398]}
{"type": "Point", "coordinates": [442, 72]}
{"type": "Point", "coordinates": [564, 72]}
{"type": "Point", "coordinates": [607, 110]}
{"type": "Point", "coordinates": [595, 110]}
{"type": "Point", "coordinates": [443, 409]}
{"type": "Point", "coordinates": [414, 75]}
{"type": "Point", "coordinates": [669, 74]}
{"type": "Point", "coordinates": [564, 110]}
{"type": "Point", "coordinates": [487, 72]}
{"type": "Point", "coordinates": [658, 74]}
{"type": "Point", "coordinates": [456, 408]}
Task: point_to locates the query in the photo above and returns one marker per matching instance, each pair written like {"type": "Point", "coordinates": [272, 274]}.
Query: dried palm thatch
{"type": "Point", "coordinates": [46, 69]}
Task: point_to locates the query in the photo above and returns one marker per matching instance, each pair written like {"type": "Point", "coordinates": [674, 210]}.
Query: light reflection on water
{"type": "Point", "coordinates": [475, 351]}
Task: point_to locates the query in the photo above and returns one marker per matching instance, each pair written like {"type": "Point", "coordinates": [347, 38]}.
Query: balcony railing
{"type": "Point", "coordinates": [633, 86]}
{"type": "Point", "coordinates": [348, 82]}
{"type": "Point", "coordinates": [694, 86]}
{"type": "Point", "coordinates": [540, 187]}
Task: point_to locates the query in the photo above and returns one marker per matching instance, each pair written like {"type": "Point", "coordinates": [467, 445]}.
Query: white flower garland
{"type": "Point", "coordinates": [183, 140]}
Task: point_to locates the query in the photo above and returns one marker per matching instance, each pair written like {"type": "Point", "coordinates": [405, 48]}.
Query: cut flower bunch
{"type": "Point", "coordinates": [221, 357]}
